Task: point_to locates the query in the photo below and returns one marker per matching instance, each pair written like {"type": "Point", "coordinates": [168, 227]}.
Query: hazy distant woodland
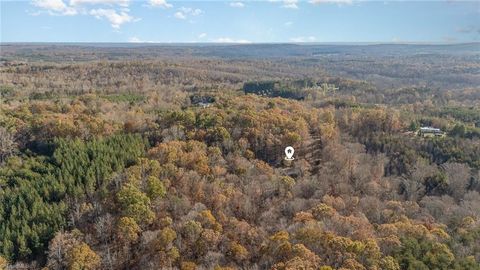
{"type": "Point", "coordinates": [437, 66]}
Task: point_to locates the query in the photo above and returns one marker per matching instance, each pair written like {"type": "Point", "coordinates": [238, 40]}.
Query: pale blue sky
{"type": "Point", "coordinates": [239, 21]}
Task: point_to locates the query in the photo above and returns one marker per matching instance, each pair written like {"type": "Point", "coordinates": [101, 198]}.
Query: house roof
{"type": "Point", "coordinates": [429, 129]}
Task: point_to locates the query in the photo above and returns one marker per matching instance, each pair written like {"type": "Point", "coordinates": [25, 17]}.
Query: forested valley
{"type": "Point", "coordinates": [154, 158]}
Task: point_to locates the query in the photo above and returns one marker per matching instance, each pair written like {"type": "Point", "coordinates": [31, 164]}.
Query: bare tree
{"type": "Point", "coordinates": [7, 144]}
{"type": "Point", "coordinates": [458, 178]}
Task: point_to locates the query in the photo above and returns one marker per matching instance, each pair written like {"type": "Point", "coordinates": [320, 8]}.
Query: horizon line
{"type": "Point", "coordinates": [247, 43]}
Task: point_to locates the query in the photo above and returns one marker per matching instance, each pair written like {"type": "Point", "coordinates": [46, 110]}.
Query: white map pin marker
{"type": "Point", "coordinates": [289, 153]}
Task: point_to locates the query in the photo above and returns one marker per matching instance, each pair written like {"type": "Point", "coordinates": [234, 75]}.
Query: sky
{"type": "Point", "coordinates": [269, 21]}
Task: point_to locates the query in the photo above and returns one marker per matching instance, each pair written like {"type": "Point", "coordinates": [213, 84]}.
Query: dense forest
{"type": "Point", "coordinates": [118, 158]}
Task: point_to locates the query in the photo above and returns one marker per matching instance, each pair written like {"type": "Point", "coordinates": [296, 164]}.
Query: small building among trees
{"type": "Point", "coordinates": [202, 101]}
{"type": "Point", "coordinates": [430, 132]}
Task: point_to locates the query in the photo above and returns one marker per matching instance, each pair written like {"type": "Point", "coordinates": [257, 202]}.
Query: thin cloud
{"type": "Point", "coordinates": [179, 15]}
{"type": "Point", "coordinates": [135, 40]}
{"type": "Point", "coordinates": [339, 2]}
{"type": "Point", "coordinates": [139, 40]}
{"type": "Point", "coordinates": [303, 39]}
{"type": "Point", "coordinates": [202, 35]}
{"type": "Point", "coordinates": [231, 40]}
{"type": "Point", "coordinates": [159, 3]}
{"type": "Point", "coordinates": [117, 12]}
{"type": "Point", "coordinates": [184, 12]}
{"type": "Point", "coordinates": [288, 24]}
{"type": "Point", "coordinates": [237, 4]}
{"type": "Point", "coordinates": [191, 11]}
{"type": "Point", "coordinates": [123, 3]}
{"type": "Point", "coordinates": [115, 18]}
{"type": "Point", "coordinates": [290, 4]}
{"type": "Point", "coordinates": [55, 7]}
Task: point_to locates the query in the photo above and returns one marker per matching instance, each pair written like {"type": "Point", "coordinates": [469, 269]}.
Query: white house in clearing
{"type": "Point", "coordinates": [430, 132]}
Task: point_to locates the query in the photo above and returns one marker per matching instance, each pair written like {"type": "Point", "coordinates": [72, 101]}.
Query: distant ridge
{"type": "Point", "coordinates": [11, 51]}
